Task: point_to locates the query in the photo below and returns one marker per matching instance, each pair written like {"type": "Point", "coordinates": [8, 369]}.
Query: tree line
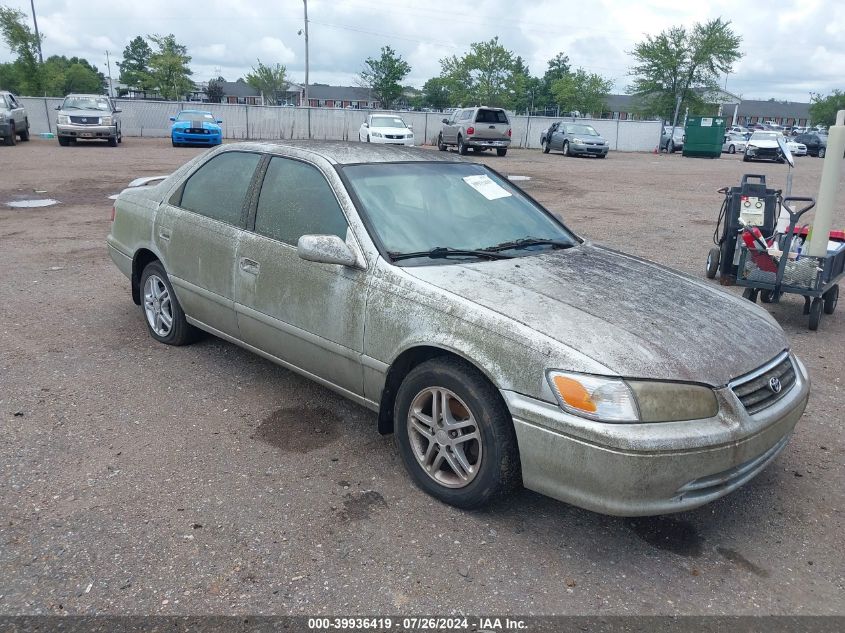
{"type": "Point", "coordinates": [678, 68]}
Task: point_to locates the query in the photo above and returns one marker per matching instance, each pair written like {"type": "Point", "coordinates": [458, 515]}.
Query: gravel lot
{"type": "Point", "coordinates": [141, 478]}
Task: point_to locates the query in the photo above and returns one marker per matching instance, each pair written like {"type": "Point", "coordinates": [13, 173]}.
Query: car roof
{"type": "Point", "coordinates": [195, 110]}
{"type": "Point", "coordinates": [349, 153]}
{"type": "Point", "coordinates": [86, 94]}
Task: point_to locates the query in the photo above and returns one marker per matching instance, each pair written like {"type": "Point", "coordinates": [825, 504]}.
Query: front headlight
{"type": "Point", "coordinates": [63, 119]}
{"type": "Point", "coordinates": [106, 120]}
{"type": "Point", "coordinates": [616, 400]}
{"type": "Point", "coordinates": [578, 141]}
{"type": "Point", "coordinates": [377, 134]}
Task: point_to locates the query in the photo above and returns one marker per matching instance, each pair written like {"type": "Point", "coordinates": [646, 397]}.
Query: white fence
{"type": "Point", "coordinates": [152, 118]}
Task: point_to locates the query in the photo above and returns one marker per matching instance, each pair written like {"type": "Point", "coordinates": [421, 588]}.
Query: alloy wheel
{"type": "Point", "coordinates": [158, 306]}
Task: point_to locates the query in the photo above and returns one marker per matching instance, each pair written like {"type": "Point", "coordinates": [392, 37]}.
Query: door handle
{"type": "Point", "coordinates": [164, 233]}
{"type": "Point", "coordinates": [249, 265]}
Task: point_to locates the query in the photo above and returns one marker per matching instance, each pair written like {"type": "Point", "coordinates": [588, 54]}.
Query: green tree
{"type": "Point", "coordinates": [214, 91]}
{"type": "Point", "coordinates": [169, 70]}
{"type": "Point", "coordinates": [489, 74]}
{"type": "Point", "coordinates": [135, 67]}
{"type": "Point", "coordinates": [680, 63]}
{"type": "Point", "coordinates": [558, 68]}
{"type": "Point", "coordinates": [823, 109]}
{"type": "Point", "coordinates": [435, 94]}
{"type": "Point", "coordinates": [582, 91]}
{"type": "Point", "coordinates": [62, 76]}
{"type": "Point", "coordinates": [384, 75]}
{"type": "Point", "coordinates": [24, 74]}
{"type": "Point", "coordinates": [269, 81]}
{"type": "Point", "coordinates": [525, 90]}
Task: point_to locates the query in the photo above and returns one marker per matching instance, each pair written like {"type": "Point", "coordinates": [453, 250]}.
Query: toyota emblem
{"type": "Point", "coordinates": [774, 384]}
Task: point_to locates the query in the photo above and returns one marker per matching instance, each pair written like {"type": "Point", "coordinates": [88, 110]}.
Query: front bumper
{"type": "Point", "coordinates": [762, 153]}
{"type": "Point", "coordinates": [649, 469]}
{"type": "Point", "coordinates": [5, 128]}
{"type": "Point", "coordinates": [591, 150]}
{"type": "Point", "coordinates": [212, 138]}
{"type": "Point", "coordinates": [392, 141]}
{"type": "Point", "coordinates": [87, 131]}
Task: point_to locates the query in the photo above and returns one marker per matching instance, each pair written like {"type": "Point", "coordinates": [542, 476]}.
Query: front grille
{"type": "Point", "coordinates": [196, 130]}
{"type": "Point", "coordinates": [85, 120]}
{"type": "Point", "coordinates": [394, 136]}
{"type": "Point", "coordinates": [754, 390]}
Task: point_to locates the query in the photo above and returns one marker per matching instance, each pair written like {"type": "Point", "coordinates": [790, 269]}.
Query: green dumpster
{"type": "Point", "coordinates": [704, 136]}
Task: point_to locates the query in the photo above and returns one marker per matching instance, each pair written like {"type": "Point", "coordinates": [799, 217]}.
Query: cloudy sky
{"type": "Point", "coordinates": [791, 47]}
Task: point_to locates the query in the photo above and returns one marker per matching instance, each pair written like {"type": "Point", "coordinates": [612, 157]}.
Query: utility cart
{"type": "Point", "coordinates": [770, 268]}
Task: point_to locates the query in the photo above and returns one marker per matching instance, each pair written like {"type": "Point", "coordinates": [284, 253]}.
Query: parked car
{"type": "Point", "coordinates": [88, 117]}
{"type": "Point", "coordinates": [734, 143]}
{"type": "Point", "coordinates": [816, 143]}
{"type": "Point", "coordinates": [797, 149]}
{"type": "Point", "coordinates": [670, 143]}
{"type": "Point", "coordinates": [574, 139]}
{"type": "Point", "coordinates": [13, 119]}
{"type": "Point", "coordinates": [195, 127]}
{"type": "Point", "coordinates": [387, 128]}
{"type": "Point", "coordinates": [738, 129]}
{"type": "Point", "coordinates": [494, 343]}
{"type": "Point", "coordinates": [763, 145]}
{"type": "Point", "coordinates": [477, 129]}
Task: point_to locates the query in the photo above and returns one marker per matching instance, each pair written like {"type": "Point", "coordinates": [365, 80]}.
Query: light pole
{"type": "Point", "coordinates": [37, 36]}
{"type": "Point", "coordinates": [307, 102]}
{"type": "Point", "coordinates": [111, 85]}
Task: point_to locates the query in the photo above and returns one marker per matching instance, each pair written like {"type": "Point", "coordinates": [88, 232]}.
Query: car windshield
{"type": "Point", "coordinates": [387, 121]}
{"type": "Point", "coordinates": [194, 115]}
{"type": "Point", "coordinates": [421, 206]}
{"type": "Point", "coordinates": [583, 130]}
{"type": "Point", "coordinates": [86, 103]}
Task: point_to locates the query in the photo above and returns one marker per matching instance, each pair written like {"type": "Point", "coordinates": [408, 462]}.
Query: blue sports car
{"type": "Point", "coordinates": [195, 127]}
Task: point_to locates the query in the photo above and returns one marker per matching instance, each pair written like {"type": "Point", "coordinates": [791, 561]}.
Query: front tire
{"type": "Point", "coordinates": [24, 134]}
{"type": "Point", "coordinates": [713, 259]}
{"type": "Point", "coordinates": [732, 149]}
{"type": "Point", "coordinates": [670, 147]}
{"type": "Point", "coordinates": [545, 145]}
{"type": "Point", "coordinates": [440, 144]}
{"type": "Point", "coordinates": [831, 298]}
{"type": "Point", "coordinates": [455, 434]}
{"type": "Point", "coordinates": [822, 152]}
{"type": "Point", "coordinates": [10, 138]}
{"type": "Point", "coordinates": [64, 141]}
{"type": "Point", "coordinates": [565, 149]}
{"type": "Point", "coordinates": [163, 315]}
{"type": "Point", "coordinates": [113, 141]}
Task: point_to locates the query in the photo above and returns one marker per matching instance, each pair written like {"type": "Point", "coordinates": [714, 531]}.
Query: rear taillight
{"type": "Point", "coordinates": [112, 214]}
{"type": "Point", "coordinates": [509, 132]}
{"type": "Point", "coordinates": [470, 130]}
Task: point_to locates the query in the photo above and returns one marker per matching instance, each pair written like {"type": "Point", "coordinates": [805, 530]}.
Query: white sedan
{"type": "Point", "coordinates": [797, 149]}
{"type": "Point", "coordinates": [734, 143]}
{"type": "Point", "coordinates": [385, 128]}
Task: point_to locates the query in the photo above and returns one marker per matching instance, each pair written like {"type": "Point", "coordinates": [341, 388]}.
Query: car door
{"type": "Point", "coordinates": [450, 129]}
{"type": "Point", "coordinates": [18, 113]}
{"type": "Point", "coordinates": [197, 232]}
{"type": "Point", "coordinates": [558, 136]}
{"type": "Point", "coordinates": [307, 314]}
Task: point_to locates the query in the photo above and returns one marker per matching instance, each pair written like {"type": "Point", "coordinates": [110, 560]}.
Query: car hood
{"type": "Point", "coordinates": [86, 113]}
{"type": "Point", "coordinates": [766, 143]}
{"type": "Point", "coordinates": [635, 317]}
{"type": "Point", "coordinates": [199, 123]}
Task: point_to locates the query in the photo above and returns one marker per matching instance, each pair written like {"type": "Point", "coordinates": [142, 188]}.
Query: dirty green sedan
{"type": "Point", "coordinates": [498, 347]}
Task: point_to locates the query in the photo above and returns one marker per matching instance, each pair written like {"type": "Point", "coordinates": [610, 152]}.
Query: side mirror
{"type": "Point", "coordinates": [173, 118]}
{"type": "Point", "coordinates": [410, 127]}
{"type": "Point", "coordinates": [59, 107]}
{"type": "Point", "coordinates": [117, 110]}
{"type": "Point", "coordinates": [366, 124]}
{"type": "Point", "coordinates": [445, 120]}
{"type": "Point", "coordinates": [325, 249]}
{"type": "Point", "coordinates": [219, 121]}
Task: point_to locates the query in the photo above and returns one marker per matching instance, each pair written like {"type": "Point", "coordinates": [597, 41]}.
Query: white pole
{"type": "Point", "coordinates": [307, 102]}
{"type": "Point", "coordinates": [826, 200]}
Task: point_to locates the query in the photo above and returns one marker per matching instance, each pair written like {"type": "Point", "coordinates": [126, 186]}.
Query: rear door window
{"type": "Point", "coordinates": [296, 200]}
{"type": "Point", "coordinates": [218, 189]}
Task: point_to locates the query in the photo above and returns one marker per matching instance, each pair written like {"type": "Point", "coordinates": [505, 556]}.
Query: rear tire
{"type": "Point", "coordinates": [713, 259]}
{"type": "Point", "coordinates": [750, 294]}
{"type": "Point", "coordinates": [24, 134]}
{"type": "Point", "coordinates": [732, 149]}
{"type": "Point", "coordinates": [501, 151]}
{"type": "Point", "coordinates": [159, 305]}
{"type": "Point", "coordinates": [815, 314]}
{"type": "Point", "coordinates": [487, 465]}
{"type": "Point", "coordinates": [10, 139]}
{"type": "Point", "coordinates": [670, 147]}
{"type": "Point", "coordinates": [462, 149]}
{"type": "Point", "coordinates": [822, 152]}
{"type": "Point", "coordinates": [831, 298]}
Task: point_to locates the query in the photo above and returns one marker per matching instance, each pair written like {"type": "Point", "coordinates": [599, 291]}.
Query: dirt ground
{"type": "Point", "coordinates": [140, 478]}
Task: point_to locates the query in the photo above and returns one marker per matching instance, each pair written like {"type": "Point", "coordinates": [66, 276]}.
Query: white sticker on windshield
{"type": "Point", "coordinates": [487, 187]}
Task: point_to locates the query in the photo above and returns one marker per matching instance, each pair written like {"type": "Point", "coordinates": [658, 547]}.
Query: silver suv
{"type": "Point", "coordinates": [476, 128]}
{"type": "Point", "coordinates": [88, 117]}
{"type": "Point", "coordinates": [13, 120]}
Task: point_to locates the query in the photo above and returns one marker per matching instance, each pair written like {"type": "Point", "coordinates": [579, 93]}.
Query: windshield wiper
{"type": "Point", "coordinates": [442, 252]}
{"type": "Point", "coordinates": [526, 242]}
